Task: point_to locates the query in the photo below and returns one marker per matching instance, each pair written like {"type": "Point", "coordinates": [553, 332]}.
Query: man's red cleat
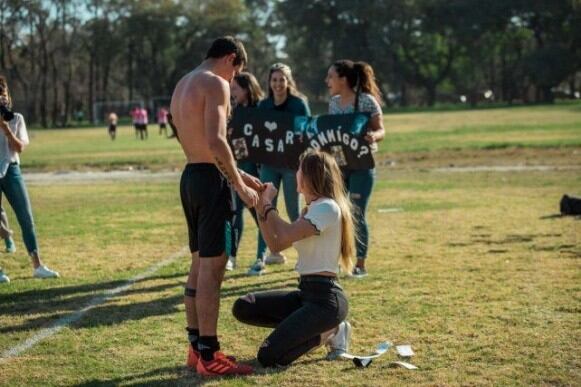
{"type": "Point", "coordinates": [221, 366]}
{"type": "Point", "coordinates": [193, 357]}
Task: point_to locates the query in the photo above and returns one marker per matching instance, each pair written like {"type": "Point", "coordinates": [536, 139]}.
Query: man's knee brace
{"type": "Point", "coordinates": [189, 292]}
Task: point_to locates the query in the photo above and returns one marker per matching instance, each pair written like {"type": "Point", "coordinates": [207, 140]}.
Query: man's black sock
{"type": "Point", "coordinates": [207, 345]}
{"type": "Point", "coordinates": [193, 337]}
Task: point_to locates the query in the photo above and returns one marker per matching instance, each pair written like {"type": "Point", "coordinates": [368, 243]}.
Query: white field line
{"type": "Point", "coordinates": [63, 322]}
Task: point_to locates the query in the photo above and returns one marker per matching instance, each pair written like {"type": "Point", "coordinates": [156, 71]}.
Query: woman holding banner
{"type": "Point", "coordinates": [314, 314]}
{"type": "Point", "coordinates": [282, 96]}
{"type": "Point", "coordinates": [353, 88]}
{"type": "Point", "coordinates": [245, 91]}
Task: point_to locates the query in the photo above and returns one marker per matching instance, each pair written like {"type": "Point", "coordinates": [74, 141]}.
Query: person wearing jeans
{"type": "Point", "coordinates": [282, 96]}
{"type": "Point", "coordinates": [13, 139]}
{"type": "Point", "coordinates": [5, 231]}
{"type": "Point", "coordinates": [353, 88]}
{"type": "Point", "coordinates": [244, 91]}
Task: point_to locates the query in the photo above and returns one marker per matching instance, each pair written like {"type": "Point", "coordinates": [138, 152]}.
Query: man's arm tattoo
{"type": "Point", "coordinates": [223, 170]}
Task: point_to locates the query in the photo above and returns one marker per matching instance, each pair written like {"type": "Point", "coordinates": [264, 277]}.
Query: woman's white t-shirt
{"type": "Point", "coordinates": [7, 154]}
{"type": "Point", "coordinates": [321, 252]}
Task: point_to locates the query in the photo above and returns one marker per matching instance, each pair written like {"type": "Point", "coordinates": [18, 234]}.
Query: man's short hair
{"type": "Point", "coordinates": [227, 45]}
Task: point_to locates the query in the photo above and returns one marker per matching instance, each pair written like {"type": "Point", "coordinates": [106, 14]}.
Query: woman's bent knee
{"type": "Point", "coordinates": [243, 308]}
{"type": "Point", "coordinates": [266, 356]}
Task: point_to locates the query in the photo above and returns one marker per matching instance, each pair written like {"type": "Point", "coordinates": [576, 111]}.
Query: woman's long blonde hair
{"type": "Point", "coordinates": [323, 178]}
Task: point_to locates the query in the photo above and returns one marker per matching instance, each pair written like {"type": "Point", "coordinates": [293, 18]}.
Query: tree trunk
{"type": "Point", "coordinates": [572, 86]}
{"type": "Point", "coordinates": [55, 92]}
{"type": "Point", "coordinates": [44, 81]}
{"type": "Point", "coordinates": [403, 94]}
{"type": "Point", "coordinates": [91, 99]}
{"type": "Point", "coordinates": [430, 94]}
{"type": "Point", "coordinates": [130, 70]}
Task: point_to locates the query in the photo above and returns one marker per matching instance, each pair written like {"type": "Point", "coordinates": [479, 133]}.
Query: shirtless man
{"type": "Point", "coordinates": [199, 110]}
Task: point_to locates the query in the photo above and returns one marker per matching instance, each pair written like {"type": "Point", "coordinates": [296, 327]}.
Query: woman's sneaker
{"type": "Point", "coordinates": [44, 272]}
{"type": "Point", "coordinates": [275, 259]}
{"type": "Point", "coordinates": [3, 277]}
{"type": "Point", "coordinates": [221, 365]}
{"type": "Point", "coordinates": [10, 246]}
{"type": "Point", "coordinates": [257, 268]}
{"type": "Point", "coordinates": [359, 272]}
{"type": "Point", "coordinates": [231, 264]}
{"type": "Point", "coordinates": [338, 344]}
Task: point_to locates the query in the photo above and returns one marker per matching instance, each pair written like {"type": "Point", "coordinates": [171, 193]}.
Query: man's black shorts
{"type": "Point", "coordinates": [208, 203]}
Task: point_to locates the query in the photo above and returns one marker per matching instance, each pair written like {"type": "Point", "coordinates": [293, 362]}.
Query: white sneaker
{"type": "Point", "coordinates": [44, 272]}
{"type": "Point", "coordinates": [275, 258]}
{"type": "Point", "coordinates": [231, 264]}
{"type": "Point", "coordinates": [4, 278]}
{"type": "Point", "coordinates": [257, 268]}
{"type": "Point", "coordinates": [338, 344]}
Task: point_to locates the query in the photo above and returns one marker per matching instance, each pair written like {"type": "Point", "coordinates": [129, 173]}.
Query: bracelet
{"type": "Point", "coordinates": [267, 211]}
{"type": "Point", "coordinates": [264, 209]}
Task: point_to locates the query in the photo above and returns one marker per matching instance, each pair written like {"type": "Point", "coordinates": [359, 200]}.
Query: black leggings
{"type": "Point", "coordinates": [299, 317]}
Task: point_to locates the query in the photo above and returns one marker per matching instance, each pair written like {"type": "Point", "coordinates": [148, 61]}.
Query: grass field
{"type": "Point", "coordinates": [475, 271]}
{"type": "Point", "coordinates": [410, 136]}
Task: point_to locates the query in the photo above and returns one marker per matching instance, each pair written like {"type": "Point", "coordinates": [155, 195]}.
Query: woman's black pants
{"type": "Point", "coordinates": [299, 317]}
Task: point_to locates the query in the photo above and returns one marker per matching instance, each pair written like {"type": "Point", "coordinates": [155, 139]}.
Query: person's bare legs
{"type": "Point", "coordinates": [210, 276]}
{"type": "Point", "coordinates": [189, 301]}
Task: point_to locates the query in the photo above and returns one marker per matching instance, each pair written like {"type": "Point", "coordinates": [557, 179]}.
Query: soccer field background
{"type": "Point", "coordinates": [470, 266]}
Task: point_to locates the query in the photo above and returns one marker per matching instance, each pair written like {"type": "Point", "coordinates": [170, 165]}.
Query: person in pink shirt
{"type": "Point", "coordinates": [162, 120]}
{"type": "Point", "coordinates": [144, 120]}
{"type": "Point", "coordinates": [135, 113]}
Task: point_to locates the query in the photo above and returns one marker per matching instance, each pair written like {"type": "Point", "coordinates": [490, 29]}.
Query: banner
{"type": "Point", "coordinates": [278, 138]}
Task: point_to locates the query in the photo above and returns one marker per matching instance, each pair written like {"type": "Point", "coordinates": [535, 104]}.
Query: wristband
{"type": "Point", "coordinates": [267, 211]}
{"type": "Point", "coordinates": [262, 213]}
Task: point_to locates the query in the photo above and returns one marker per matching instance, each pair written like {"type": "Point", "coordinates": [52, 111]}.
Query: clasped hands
{"type": "Point", "coordinates": [257, 194]}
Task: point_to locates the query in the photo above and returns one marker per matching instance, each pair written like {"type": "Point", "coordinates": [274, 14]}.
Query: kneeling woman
{"type": "Point", "coordinates": [323, 236]}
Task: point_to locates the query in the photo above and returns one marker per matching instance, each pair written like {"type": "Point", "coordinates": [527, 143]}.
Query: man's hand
{"type": "Point", "coordinates": [248, 195]}
{"type": "Point", "coordinates": [268, 194]}
{"type": "Point", "coordinates": [252, 182]}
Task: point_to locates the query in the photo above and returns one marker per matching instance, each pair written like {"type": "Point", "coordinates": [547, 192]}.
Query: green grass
{"type": "Point", "coordinates": [475, 273]}
{"type": "Point", "coordinates": [541, 127]}
{"type": "Point", "coordinates": [470, 274]}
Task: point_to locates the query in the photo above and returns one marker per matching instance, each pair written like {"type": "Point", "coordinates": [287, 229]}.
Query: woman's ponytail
{"type": "Point", "coordinates": [366, 81]}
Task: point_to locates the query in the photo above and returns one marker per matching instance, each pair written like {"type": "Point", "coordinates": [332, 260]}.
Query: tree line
{"type": "Point", "coordinates": [63, 56]}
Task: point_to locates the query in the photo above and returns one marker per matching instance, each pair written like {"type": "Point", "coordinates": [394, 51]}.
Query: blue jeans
{"type": "Point", "coordinates": [13, 187]}
{"type": "Point", "coordinates": [359, 184]}
{"type": "Point", "coordinates": [238, 224]}
{"type": "Point", "coordinates": [288, 178]}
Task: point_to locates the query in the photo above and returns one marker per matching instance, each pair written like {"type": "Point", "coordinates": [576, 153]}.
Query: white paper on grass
{"type": "Point", "coordinates": [404, 350]}
{"type": "Point", "coordinates": [379, 350]}
{"type": "Point", "coordinates": [403, 364]}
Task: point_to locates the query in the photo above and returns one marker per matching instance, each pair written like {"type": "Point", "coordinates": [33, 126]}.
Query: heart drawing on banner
{"type": "Point", "coordinates": [270, 125]}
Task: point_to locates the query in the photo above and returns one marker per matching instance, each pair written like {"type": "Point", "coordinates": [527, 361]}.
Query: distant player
{"type": "Point", "coordinates": [112, 118]}
{"type": "Point", "coordinates": [162, 120]}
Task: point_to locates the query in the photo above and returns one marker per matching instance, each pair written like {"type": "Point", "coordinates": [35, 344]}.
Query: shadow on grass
{"type": "Point", "coordinates": [179, 375]}
{"type": "Point", "coordinates": [107, 313]}
{"type": "Point", "coordinates": [558, 216]}
{"type": "Point", "coordinates": [33, 296]}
